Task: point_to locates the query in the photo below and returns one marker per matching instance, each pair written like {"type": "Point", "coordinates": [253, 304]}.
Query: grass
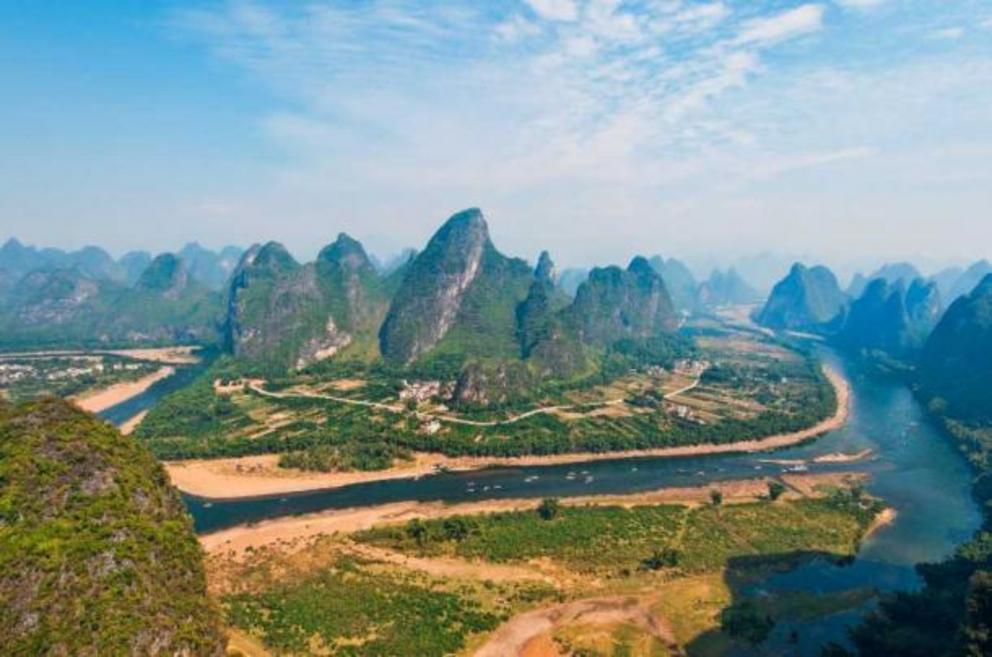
{"type": "Point", "coordinates": [348, 609]}
{"type": "Point", "coordinates": [345, 606]}
{"type": "Point", "coordinates": [607, 540]}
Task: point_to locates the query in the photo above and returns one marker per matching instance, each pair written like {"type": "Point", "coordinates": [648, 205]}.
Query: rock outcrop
{"type": "Point", "coordinates": [459, 290]}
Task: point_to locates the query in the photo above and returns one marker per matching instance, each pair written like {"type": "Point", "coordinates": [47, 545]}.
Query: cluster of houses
{"type": "Point", "coordinates": [421, 391]}
{"type": "Point", "coordinates": [13, 372]}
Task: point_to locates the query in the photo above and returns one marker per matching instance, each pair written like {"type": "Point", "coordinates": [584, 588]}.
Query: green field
{"type": "Point", "coordinates": [684, 563]}
{"type": "Point", "coordinates": [349, 609]}
{"type": "Point", "coordinates": [611, 540]}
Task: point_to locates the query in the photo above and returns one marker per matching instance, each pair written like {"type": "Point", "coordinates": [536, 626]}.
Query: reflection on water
{"type": "Point", "coordinates": [914, 468]}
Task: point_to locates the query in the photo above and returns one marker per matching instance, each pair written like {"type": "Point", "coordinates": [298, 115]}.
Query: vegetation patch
{"type": "Point", "coordinates": [348, 609]}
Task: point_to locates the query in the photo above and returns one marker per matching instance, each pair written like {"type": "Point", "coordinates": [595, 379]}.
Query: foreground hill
{"type": "Point", "coordinates": [808, 299]}
{"type": "Point", "coordinates": [97, 554]}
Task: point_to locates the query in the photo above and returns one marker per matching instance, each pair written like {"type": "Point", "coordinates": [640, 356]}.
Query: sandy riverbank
{"type": "Point", "coordinates": [293, 532]}
{"type": "Point", "coordinates": [128, 427]}
{"type": "Point", "coordinates": [254, 476]}
{"type": "Point", "coordinates": [101, 400]}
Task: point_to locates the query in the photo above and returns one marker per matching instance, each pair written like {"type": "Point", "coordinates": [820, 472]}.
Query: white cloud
{"type": "Point", "coordinates": [556, 10]}
{"type": "Point", "coordinates": [788, 24]}
{"type": "Point", "coordinates": [860, 4]}
{"type": "Point", "coordinates": [610, 113]}
{"type": "Point", "coordinates": [948, 33]}
{"type": "Point", "coordinates": [516, 28]}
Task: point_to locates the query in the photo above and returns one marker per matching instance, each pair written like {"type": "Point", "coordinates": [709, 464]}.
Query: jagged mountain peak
{"type": "Point", "coordinates": [545, 269]}
{"type": "Point", "coordinates": [346, 252]}
{"type": "Point", "coordinates": [273, 256]}
{"type": "Point", "coordinates": [166, 274]}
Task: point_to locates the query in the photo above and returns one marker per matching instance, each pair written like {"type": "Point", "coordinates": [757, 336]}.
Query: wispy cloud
{"type": "Point", "coordinates": [861, 4]}
{"type": "Point", "coordinates": [521, 103]}
{"type": "Point", "coordinates": [556, 10]}
{"type": "Point", "coordinates": [948, 33]}
{"type": "Point", "coordinates": [788, 24]}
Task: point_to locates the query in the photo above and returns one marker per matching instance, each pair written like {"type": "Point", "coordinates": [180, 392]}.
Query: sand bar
{"type": "Point", "coordinates": [292, 532]}
{"type": "Point", "coordinates": [101, 400]}
{"type": "Point", "coordinates": [255, 476]}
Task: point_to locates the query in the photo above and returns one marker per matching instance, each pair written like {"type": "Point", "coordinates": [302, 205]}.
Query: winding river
{"type": "Point", "coordinates": [913, 467]}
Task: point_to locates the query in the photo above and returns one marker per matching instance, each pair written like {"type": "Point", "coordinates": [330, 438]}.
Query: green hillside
{"type": "Point", "coordinates": [97, 554]}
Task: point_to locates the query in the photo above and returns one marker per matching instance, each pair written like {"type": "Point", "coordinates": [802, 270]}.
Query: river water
{"type": "Point", "coordinates": [913, 467]}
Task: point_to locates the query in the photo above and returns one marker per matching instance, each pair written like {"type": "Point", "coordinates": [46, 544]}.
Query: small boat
{"type": "Point", "coordinates": [588, 479]}
{"type": "Point", "coordinates": [531, 479]}
{"type": "Point", "coordinates": [207, 505]}
{"type": "Point", "coordinates": [797, 468]}
{"type": "Point", "coordinates": [634, 469]}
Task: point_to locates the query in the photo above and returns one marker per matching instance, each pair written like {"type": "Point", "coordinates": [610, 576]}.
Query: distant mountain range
{"type": "Point", "coordinates": [893, 311]}
{"type": "Point", "coordinates": [211, 268]}
{"type": "Point", "coordinates": [57, 298]}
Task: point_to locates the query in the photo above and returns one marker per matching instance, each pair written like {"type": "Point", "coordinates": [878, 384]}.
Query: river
{"type": "Point", "coordinates": [913, 467]}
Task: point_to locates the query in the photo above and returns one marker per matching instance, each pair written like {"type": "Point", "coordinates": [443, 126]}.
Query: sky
{"type": "Point", "coordinates": [837, 130]}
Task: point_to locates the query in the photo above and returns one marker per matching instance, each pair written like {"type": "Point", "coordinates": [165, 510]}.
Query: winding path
{"type": "Point", "coordinates": [256, 386]}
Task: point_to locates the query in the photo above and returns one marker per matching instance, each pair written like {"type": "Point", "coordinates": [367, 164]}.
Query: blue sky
{"type": "Point", "coordinates": [835, 129]}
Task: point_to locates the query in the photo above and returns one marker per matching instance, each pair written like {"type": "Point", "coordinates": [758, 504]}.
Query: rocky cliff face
{"type": "Point", "coordinates": [285, 314]}
{"type": "Point", "coordinates": [889, 317]}
{"type": "Point", "coordinates": [537, 314]}
{"type": "Point", "coordinates": [356, 296]}
{"type": "Point", "coordinates": [956, 364]}
{"type": "Point", "coordinates": [808, 299]}
{"type": "Point", "coordinates": [459, 294]}
{"type": "Point", "coordinates": [615, 304]}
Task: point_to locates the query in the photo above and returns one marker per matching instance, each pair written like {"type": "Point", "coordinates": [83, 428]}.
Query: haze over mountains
{"type": "Point", "coordinates": [459, 296]}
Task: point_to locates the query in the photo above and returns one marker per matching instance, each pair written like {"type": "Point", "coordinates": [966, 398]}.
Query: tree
{"type": "Point", "coordinates": [456, 528]}
{"type": "Point", "coordinates": [978, 626]}
{"type": "Point", "coordinates": [417, 530]}
{"type": "Point", "coordinates": [775, 490]}
{"type": "Point", "coordinates": [716, 497]}
{"type": "Point", "coordinates": [664, 558]}
{"type": "Point", "coordinates": [549, 508]}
